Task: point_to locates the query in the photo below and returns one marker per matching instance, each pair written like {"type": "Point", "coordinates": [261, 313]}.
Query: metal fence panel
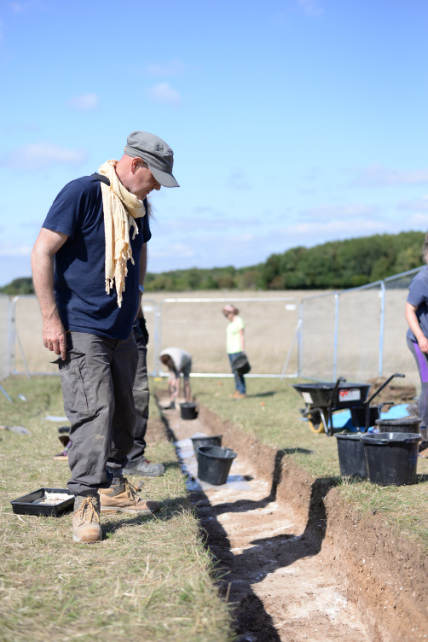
{"type": "Point", "coordinates": [197, 325]}
{"type": "Point", "coordinates": [5, 336]}
{"type": "Point", "coordinates": [28, 352]}
{"type": "Point", "coordinates": [396, 355]}
{"type": "Point", "coordinates": [359, 332]}
{"type": "Point", "coordinates": [317, 336]}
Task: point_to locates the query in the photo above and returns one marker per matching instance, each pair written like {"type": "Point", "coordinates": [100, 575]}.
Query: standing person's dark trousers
{"type": "Point", "coordinates": [421, 359]}
{"type": "Point", "coordinates": [137, 462]}
{"type": "Point", "coordinates": [97, 379]}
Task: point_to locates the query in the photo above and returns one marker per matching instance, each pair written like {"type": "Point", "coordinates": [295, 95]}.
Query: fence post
{"type": "Point", "coordinates": [336, 330]}
{"type": "Point", "coordinates": [382, 326]}
{"type": "Point", "coordinates": [300, 342]}
{"type": "Point", "coordinates": [13, 337]}
{"type": "Point", "coordinates": [158, 343]}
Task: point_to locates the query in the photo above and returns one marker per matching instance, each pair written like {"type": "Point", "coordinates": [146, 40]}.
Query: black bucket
{"type": "Point", "coordinates": [241, 364]}
{"type": "Point", "coordinates": [391, 457]}
{"type": "Point", "coordinates": [188, 410]}
{"type": "Point", "coordinates": [214, 464]}
{"type": "Point", "coordinates": [352, 460]}
{"type": "Point", "coordinates": [404, 424]}
{"type": "Point", "coordinates": [215, 440]}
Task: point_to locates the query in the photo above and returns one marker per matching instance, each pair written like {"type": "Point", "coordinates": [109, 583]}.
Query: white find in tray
{"type": "Point", "coordinates": [51, 499]}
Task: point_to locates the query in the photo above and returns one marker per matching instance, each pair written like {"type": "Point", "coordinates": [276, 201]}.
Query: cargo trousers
{"type": "Point", "coordinates": [97, 378]}
{"type": "Point", "coordinates": [141, 399]}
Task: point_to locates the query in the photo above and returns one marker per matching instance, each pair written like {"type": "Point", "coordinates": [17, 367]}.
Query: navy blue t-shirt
{"type": "Point", "coordinates": [418, 296]}
{"type": "Point", "coordinates": [83, 303]}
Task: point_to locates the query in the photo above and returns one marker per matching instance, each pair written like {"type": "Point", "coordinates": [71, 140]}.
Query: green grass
{"type": "Point", "coordinates": [150, 578]}
{"type": "Point", "coordinates": [278, 424]}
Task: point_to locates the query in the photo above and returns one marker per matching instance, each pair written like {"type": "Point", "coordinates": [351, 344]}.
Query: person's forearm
{"type": "Point", "coordinates": [43, 278]}
{"type": "Point", "coordinates": [241, 332]}
{"type": "Point", "coordinates": [413, 322]}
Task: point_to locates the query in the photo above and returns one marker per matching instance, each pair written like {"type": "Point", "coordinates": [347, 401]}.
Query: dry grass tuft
{"type": "Point", "coordinates": [150, 578]}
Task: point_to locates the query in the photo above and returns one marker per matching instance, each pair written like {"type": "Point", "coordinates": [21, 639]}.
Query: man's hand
{"type": "Point", "coordinates": [54, 337]}
{"type": "Point", "coordinates": [423, 344]}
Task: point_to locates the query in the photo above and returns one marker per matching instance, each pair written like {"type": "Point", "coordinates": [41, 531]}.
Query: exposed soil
{"type": "Point", "coordinates": [301, 563]}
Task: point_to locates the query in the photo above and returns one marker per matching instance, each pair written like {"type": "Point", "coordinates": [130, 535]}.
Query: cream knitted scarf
{"type": "Point", "coordinates": [121, 208]}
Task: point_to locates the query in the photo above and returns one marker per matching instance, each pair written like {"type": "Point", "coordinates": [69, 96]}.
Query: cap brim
{"type": "Point", "coordinates": [163, 178]}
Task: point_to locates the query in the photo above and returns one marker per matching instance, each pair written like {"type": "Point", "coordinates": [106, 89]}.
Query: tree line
{"type": "Point", "coordinates": [332, 265]}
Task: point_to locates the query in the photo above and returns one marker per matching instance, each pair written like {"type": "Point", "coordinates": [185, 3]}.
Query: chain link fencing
{"type": "Point", "coordinates": [358, 333]}
{"type": "Point", "coordinates": [196, 325]}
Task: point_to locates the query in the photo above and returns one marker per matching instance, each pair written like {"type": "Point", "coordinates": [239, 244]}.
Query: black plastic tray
{"type": "Point", "coordinates": [24, 505]}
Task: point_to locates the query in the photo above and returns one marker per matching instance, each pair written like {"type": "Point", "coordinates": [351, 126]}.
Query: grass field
{"type": "Point", "coordinates": [271, 413]}
{"type": "Point", "coordinates": [149, 579]}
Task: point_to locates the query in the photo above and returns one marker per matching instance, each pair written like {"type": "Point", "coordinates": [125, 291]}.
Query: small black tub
{"type": "Point", "coordinates": [352, 460]}
{"type": "Point", "coordinates": [214, 464]}
{"type": "Point", "coordinates": [189, 410]}
{"type": "Point", "coordinates": [391, 457]}
{"type": "Point", "coordinates": [215, 440]}
{"type": "Point", "coordinates": [404, 424]}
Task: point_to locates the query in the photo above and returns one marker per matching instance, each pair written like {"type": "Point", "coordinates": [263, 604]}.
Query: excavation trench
{"type": "Point", "coordinates": [288, 576]}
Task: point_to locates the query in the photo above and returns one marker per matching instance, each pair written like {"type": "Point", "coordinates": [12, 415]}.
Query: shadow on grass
{"type": "Point", "coordinates": [422, 478]}
{"type": "Point", "coordinates": [271, 393]}
{"type": "Point", "coordinates": [300, 451]}
{"type": "Point", "coordinates": [168, 509]}
{"type": "Point", "coordinates": [171, 465]}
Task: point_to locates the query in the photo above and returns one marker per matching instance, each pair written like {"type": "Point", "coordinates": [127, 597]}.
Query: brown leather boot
{"type": "Point", "coordinates": [86, 519]}
{"type": "Point", "coordinates": [122, 497]}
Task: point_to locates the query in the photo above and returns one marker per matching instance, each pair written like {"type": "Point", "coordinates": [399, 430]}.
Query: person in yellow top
{"type": "Point", "coordinates": [235, 345]}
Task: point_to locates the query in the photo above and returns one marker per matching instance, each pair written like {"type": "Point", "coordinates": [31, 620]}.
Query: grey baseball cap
{"type": "Point", "coordinates": [156, 153]}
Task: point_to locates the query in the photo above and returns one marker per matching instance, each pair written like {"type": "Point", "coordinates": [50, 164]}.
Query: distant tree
{"type": "Point", "coordinates": [23, 285]}
{"type": "Point", "coordinates": [332, 265]}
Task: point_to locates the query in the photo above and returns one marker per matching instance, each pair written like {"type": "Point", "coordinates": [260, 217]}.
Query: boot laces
{"type": "Point", "coordinates": [131, 491]}
{"type": "Point", "coordinates": [87, 510]}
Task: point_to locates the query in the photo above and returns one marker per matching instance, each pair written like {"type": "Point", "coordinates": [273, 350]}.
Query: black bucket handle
{"type": "Point", "coordinates": [368, 401]}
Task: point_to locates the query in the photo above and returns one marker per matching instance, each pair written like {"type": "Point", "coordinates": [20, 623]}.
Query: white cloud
{"type": "Point", "coordinates": [417, 221]}
{"type": "Point", "coordinates": [172, 68]}
{"type": "Point", "coordinates": [237, 180]}
{"type": "Point", "coordinates": [378, 176]}
{"type": "Point", "coordinates": [85, 102]}
{"type": "Point", "coordinates": [11, 248]}
{"type": "Point", "coordinates": [311, 8]}
{"type": "Point", "coordinates": [36, 156]}
{"type": "Point", "coordinates": [414, 205]}
{"type": "Point", "coordinates": [175, 250]}
{"type": "Point", "coordinates": [339, 211]}
{"type": "Point", "coordinates": [17, 7]}
{"type": "Point", "coordinates": [164, 93]}
{"type": "Point", "coordinates": [335, 227]}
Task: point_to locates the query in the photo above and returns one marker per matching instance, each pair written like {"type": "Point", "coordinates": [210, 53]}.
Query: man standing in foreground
{"type": "Point", "coordinates": [94, 231]}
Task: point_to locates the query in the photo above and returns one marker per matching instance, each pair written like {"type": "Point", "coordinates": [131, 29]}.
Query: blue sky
{"type": "Point", "coordinates": [293, 122]}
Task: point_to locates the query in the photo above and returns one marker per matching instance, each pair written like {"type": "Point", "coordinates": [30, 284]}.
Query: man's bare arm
{"type": "Point", "coordinates": [143, 270]}
{"type": "Point", "coordinates": [46, 246]}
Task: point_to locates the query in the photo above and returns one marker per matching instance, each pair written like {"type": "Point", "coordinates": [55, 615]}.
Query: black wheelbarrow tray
{"type": "Point", "coordinates": [324, 398]}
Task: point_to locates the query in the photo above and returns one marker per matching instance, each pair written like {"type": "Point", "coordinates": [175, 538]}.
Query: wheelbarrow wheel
{"type": "Point", "coordinates": [316, 423]}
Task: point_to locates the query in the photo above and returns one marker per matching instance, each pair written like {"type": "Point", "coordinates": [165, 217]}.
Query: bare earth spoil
{"type": "Point", "coordinates": [273, 567]}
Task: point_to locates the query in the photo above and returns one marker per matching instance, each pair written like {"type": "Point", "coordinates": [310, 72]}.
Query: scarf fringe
{"type": "Point", "coordinates": [121, 208]}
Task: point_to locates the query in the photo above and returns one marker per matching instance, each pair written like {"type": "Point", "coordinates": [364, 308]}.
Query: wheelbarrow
{"type": "Point", "coordinates": [324, 398]}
